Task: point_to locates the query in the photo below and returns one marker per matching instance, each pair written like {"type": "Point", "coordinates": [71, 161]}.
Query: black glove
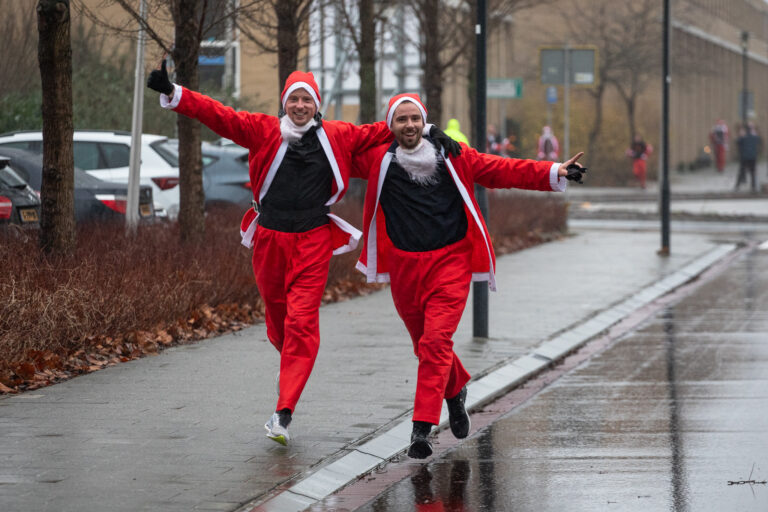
{"type": "Point", "coordinates": [444, 141]}
{"type": "Point", "coordinates": [575, 173]}
{"type": "Point", "coordinates": [158, 80]}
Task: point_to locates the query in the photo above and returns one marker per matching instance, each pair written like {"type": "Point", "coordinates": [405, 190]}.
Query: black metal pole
{"type": "Point", "coordinates": [480, 289]}
{"type": "Point", "coordinates": [664, 190]}
{"type": "Point", "coordinates": [744, 68]}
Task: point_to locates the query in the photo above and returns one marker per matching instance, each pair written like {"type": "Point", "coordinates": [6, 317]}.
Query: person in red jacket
{"type": "Point", "coordinates": [424, 234]}
{"type": "Point", "coordinates": [299, 166]}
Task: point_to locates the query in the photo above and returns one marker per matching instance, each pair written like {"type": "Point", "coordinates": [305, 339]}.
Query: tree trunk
{"type": "Point", "coordinates": [185, 56]}
{"type": "Point", "coordinates": [367, 56]}
{"type": "Point", "coordinates": [433, 79]}
{"type": "Point", "coordinates": [287, 39]}
{"type": "Point", "coordinates": [54, 52]}
{"type": "Point", "coordinates": [630, 102]}
{"type": "Point", "coordinates": [597, 125]}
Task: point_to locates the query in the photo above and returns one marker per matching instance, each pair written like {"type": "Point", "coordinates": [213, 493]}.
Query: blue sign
{"type": "Point", "coordinates": [551, 94]}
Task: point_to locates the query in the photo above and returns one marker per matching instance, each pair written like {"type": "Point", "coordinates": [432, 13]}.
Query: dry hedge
{"type": "Point", "coordinates": [115, 284]}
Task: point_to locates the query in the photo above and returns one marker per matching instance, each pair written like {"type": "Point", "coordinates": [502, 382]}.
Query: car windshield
{"type": "Point", "coordinates": [9, 178]}
{"type": "Point", "coordinates": [168, 153]}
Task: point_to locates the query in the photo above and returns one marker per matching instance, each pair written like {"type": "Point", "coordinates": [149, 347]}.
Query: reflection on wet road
{"type": "Point", "coordinates": [662, 420]}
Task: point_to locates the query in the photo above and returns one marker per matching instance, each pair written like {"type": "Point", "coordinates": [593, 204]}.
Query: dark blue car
{"type": "Point", "coordinates": [95, 199]}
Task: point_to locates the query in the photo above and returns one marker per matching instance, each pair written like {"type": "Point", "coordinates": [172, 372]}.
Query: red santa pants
{"type": "Point", "coordinates": [720, 157]}
{"type": "Point", "coordinates": [639, 170]}
{"type": "Point", "coordinates": [291, 270]}
{"type": "Point", "coordinates": [430, 291]}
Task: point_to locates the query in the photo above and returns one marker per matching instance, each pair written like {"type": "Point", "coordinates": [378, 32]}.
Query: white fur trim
{"type": "Point", "coordinates": [378, 278]}
{"type": "Point", "coordinates": [558, 183]}
{"type": "Point", "coordinates": [301, 85]}
{"type": "Point", "coordinates": [171, 101]}
{"type": "Point", "coordinates": [371, 245]}
{"type": "Point", "coordinates": [427, 128]}
{"type": "Point", "coordinates": [247, 235]}
{"type": "Point", "coordinates": [476, 216]}
{"type": "Point", "coordinates": [273, 169]}
{"type": "Point", "coordinates": [326, 144]}
{"type": "Point", "coordinates": [391, 111]}
{"type": "Point", "coordinates": [354, 234]}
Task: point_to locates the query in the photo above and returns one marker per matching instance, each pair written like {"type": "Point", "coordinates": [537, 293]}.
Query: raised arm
{"type": "Point", "coordinates": [494, 171]}
{"type": "Point", "coordinates": [244, 128]}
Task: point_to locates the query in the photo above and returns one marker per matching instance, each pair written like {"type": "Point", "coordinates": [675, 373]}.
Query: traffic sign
{"type": "Point", "coordinates": [551, 94]}
{"type": "Point", "coordinates": [504, 88]}
{"type": "Point", "coordinates": [581, 65]}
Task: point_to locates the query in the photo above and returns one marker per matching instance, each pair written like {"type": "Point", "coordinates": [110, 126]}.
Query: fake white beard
{"type": "Point", "coordinates": [291, 132]}
{"type": "Point", "coordinates": [420, 162]}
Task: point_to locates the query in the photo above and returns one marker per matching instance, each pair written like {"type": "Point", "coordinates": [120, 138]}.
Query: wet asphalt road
{"type": "Point", "coordinates": [663, 419]}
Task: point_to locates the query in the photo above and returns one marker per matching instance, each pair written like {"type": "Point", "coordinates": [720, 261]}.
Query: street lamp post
{"type": "Point", "coordinates": [744, 70]}
{"type": "Point", "coordinates": [480, 289]}
{"type": "Point", "coordinates": [664, 189]}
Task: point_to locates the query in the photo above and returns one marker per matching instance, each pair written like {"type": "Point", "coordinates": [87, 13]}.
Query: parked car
{"type": "Point", "coordinates": [225, 173]}
{"type": "Point", "coordinates": [105, 155]}
{"type": "Point", "coordinates": [95, 199]}
{"type": "Point", "coordinates": [18, 202]}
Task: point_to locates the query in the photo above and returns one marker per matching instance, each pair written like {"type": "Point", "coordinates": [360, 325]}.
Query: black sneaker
{"type": "Point", "coordinates": [420, 447]}
{"type": "Point", "coordinates": [457, 414]}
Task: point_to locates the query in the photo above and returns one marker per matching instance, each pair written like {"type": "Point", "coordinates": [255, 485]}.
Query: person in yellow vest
{"type": "Point", "coordinates": [454, 132]}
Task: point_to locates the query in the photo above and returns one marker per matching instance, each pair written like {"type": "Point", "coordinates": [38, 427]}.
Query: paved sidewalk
{"type": "Point", "coordinates": [183, 430]}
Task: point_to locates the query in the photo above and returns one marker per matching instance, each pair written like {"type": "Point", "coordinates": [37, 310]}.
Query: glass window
{"type": "Point", "coordinates": [18, 145]}
{"type": "Point", "coordinates": [167, 152]}
{"type": "Point", "coordinates": [87, 155]}
{"type": "Point", "coordinates": [9, 178]}
{"type": "Point", "coordinates": [116, 155]}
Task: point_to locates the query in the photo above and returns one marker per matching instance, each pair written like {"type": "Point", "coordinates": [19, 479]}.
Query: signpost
{"type": "Point", "coordinates": [504, 88]}
{"type": "Point", "coordinates": [567, 66]}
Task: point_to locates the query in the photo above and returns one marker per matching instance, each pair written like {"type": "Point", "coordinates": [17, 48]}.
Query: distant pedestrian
{"type": "Point", "coordinates": [549, 148]}
{"type": "Point", "coordinates": [299, 166]}
{"type": "Point", "coordinates": [454, 131]}
{"type": "Point", "coordinates": [424, 234]}
{"type": "Point", "coordinates": [638, 152]}
{"type": "Point", "coordinates": [749, 145]}
{"type": "Point", "coordinates": [718, 137]}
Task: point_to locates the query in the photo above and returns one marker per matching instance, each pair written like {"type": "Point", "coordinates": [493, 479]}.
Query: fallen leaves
{"type": "Point", "coordinates": [41, 368]}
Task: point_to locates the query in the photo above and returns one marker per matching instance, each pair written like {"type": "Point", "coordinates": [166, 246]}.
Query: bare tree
{"type": "Point", "coordinates": [443, 41]}
{"type": "Point", "coordinates": [360, 18]}
{"type": "Point", "coordinates": [193, 20]}
{"type": "Point", "coordinates": [57, 226]}
{"type": "Point", "coordinates": [19, 44]}
{"type": "Point", "coordinates": [278, 26]}
{"type": "Point", "coordinates": [498, 11]}
{"type": "Point", "coordinates": [638, 58]}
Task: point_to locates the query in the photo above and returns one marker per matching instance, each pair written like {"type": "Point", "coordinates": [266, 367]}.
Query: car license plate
{"type": "Point", "coordinates": [145, 210]}
{"type": "Point", "coordinates": [28, 215]}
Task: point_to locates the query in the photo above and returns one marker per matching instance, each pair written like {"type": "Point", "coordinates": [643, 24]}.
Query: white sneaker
{"type": "Point", "coordinates": [277, 432]}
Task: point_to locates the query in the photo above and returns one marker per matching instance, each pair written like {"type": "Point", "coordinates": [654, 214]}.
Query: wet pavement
{"type": "Point", "coordinates": [671, 416]}
{"type": "Point", "coordinates": [184, 430]}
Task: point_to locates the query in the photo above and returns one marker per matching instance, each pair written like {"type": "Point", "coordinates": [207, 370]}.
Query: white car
{"type": "Point", "coordinates": [105, 154]}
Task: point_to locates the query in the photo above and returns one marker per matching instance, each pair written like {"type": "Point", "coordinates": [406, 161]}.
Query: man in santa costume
{"type": "Point", "coordinates": [299, 165]}
{"type": "Point", "coordinates": [424, 234]}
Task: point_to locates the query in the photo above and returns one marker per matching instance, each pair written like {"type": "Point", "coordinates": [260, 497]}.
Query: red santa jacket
{"type": "Point", "coordinates": [260, 133]}
{"type": "Point", "coordinates": [470, 167]}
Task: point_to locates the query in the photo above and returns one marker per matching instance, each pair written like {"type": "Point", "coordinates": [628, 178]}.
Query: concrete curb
{"type": "Point", "coordinates": [368, 455]}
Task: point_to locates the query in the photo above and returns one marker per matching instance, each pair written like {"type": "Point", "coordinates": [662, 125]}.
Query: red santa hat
{"type": "Point", "coordinates": [301, 80]}
{"type": "Point", "coordinates": [397, 100]}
